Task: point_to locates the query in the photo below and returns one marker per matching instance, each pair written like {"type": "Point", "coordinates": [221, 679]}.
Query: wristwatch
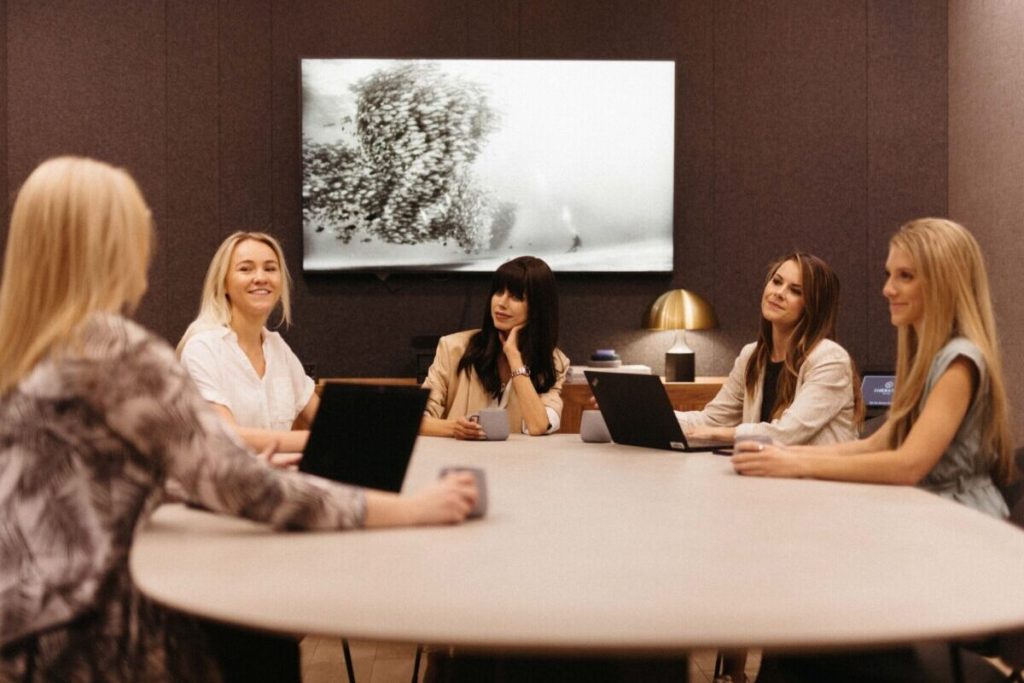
{"type": "Point", "coordinates": [521, 371]}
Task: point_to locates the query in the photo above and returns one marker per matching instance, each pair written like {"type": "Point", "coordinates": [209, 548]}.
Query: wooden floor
{"type": "Point", "coordinates": [322, 662]}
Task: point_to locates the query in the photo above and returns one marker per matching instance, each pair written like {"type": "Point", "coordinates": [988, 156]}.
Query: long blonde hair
{"type": "Point", "coordinates": [214, 307]}
{"type": "Point", "coordinates": [957, 302]}
{"type": "Point", "coordinates": [78, 244]}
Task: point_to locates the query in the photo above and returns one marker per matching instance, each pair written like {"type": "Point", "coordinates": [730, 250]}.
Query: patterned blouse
{"type": "Point", "coordinates": [87, 441]}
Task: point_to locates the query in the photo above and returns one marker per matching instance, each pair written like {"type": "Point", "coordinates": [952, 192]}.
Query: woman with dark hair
{"type": "Point", "coordinates": [794, 384]}
{"type": "Point", "coordinates": [511, 362]}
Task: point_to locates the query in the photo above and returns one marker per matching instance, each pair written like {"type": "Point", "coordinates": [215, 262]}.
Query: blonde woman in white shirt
{"type": "Point", "coordinates": [246, 371]}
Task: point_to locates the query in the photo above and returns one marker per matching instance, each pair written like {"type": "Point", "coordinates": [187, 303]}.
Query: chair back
{"type": "Point", "coordinates": [1010, 645]}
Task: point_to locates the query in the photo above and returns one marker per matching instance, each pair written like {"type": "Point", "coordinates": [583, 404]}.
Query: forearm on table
{"type": "Point", "coordinates": [291, 441]}
{"type": "Point", "coordinates": [436, 426]}
{"type": "Point", "coordinates": [387, 509]}
{"type": "Point", "coordinates": [535, 413]}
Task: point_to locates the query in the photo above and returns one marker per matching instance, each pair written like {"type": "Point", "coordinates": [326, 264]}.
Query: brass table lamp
{"type": "Point", "coordinates": [680, 310]}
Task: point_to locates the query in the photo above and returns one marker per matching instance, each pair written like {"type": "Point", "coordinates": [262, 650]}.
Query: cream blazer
{"type": "Point", "coordinates": [822, 410]}
{"type": "Point", "coordinates": [453, 394]}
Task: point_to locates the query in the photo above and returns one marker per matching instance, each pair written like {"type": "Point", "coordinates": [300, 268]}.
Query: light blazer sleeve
{"type": "Point", "coordinates": [726, 408]}
{"type": "Point", "coordinates": [442, 376]}
{"type": "Point", "coordinates": [552, 398]}
{"type": "Point", "coordinates": [822, 410]}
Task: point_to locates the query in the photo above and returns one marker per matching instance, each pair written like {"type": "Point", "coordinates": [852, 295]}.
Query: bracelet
{"type": "Point", "coordinates": [521, 371]}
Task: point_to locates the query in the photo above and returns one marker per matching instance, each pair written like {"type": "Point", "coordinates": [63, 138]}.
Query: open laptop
{"type": "Point", "coordinates": [364, 434]}
{"type": "Point", "coordinates": [638, 412]}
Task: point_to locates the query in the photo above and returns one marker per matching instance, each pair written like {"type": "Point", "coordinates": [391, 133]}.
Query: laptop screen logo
{"type": "Point", "coordinates": [677, 445]}
{"type": "Point", "coordinates": [878, 390]}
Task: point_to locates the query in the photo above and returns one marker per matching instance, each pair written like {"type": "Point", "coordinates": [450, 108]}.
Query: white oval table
{"type": "Point", "coordinates": [609, 549]}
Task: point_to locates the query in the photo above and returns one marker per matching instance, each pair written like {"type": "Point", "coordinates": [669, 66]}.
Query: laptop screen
{"type": "Point", "coordinates": [878, 390]}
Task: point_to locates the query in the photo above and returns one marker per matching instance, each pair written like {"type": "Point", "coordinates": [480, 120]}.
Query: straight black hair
{"type": "Point", "coordinates": [530, 279]}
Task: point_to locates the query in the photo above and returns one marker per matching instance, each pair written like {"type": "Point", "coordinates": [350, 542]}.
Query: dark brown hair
{"type": "Point", "coordinates": [818, 321]}
{"type": "Point", "coordinates": [530, 279]}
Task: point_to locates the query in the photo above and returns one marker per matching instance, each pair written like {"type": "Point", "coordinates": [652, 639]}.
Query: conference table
{"type": "Point", "coordinates": [609, 549]}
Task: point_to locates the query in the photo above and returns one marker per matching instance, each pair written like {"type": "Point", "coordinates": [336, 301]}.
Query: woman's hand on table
{"type": "Point", "coordinates": [763, 460]}
{"type": "Point", "coordinates": [449, 500]}
{"type": "Point", "coordinates": [467, 430]}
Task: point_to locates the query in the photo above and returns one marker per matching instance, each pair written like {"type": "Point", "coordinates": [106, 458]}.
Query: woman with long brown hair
{"type": "Point", "coordinates": [795, 384]}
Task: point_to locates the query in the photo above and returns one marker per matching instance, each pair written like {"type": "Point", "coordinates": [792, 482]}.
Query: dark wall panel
{"type": "Point", "coordinates": [907, 142]}
{"type": "Point", "coordinates": [986, 161]}
{"type": "Point", "coordinates": [191, 228]}
{"type": "Point", "coordinates": [790, 128]}
{"type": "Point", "coordinates": [88, 78]}
{"type": "Point", "coordinates": [6, 190]}
{"type": "Point", "coordinates": [245, 106]}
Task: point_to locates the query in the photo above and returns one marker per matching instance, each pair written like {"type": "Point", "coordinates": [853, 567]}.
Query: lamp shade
{"type": "Point", "coordinates": [680, 309]}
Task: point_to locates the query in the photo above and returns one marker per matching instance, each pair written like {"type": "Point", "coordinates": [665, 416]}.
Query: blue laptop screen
{"type": "Point", "coordinates": [878, 390]}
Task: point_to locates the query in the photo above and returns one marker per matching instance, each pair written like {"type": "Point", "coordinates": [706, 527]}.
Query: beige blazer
{"type": "Point", "coordinates": [822, 410]}
{"type": "Point", "coordinates": [454, 394]}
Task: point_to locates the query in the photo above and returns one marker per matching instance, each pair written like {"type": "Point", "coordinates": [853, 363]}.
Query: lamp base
{"type": "Point", "coordinates": [680, 366]}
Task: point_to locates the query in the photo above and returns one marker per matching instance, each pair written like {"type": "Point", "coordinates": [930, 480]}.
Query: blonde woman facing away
{"type": "Point", "coordinates": [794, 384]}
{"type": "Point", "coordinates": [95, 415]}
{"type": "Point", "coordinates": [247, 372]}
{"type": "Point", "coordinates": [947, 430]}
{"type": "Point", "coordinates": [512, 361]}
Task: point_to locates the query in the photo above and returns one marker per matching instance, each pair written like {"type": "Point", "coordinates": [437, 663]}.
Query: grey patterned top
{"type": "Point", "coordinates": [963, 473]}
{"type": "Point", "coordinates": [87, 441]}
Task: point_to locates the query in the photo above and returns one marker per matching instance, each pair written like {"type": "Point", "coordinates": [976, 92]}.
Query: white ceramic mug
{"type": "Point", "coordinates": [593, 428]}
{"type": "Point", "coordinates": [494, 422]}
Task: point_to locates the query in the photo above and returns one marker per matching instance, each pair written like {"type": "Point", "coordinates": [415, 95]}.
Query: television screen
{"type": "Point", "coordinates": [460, 165]}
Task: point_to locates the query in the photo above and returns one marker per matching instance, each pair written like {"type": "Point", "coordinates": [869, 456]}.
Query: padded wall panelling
{"type": "Point", "coordinates": [986, 160]}
{"type": "Point", "coordinates": [790, 129]}
{"type": "Point", "coordinates": [88, 78]}
{"type": "Point", "coordinates": [5, 188]}
{"type": "Point", "coordinates": [906, 145]}
{"type": "Point", "coordinates": [191, 228]}
{"type": "Point", "coordinates": [245, 106]}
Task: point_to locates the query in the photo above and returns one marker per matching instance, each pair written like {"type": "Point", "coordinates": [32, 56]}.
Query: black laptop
{"type": "Point", "coordinates": [364, 434]}
{"type": "Point", "coordinates": [638, 412]}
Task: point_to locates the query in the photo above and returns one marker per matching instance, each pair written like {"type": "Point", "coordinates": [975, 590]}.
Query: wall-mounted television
{"type": "Point", "coordinates": [459, 165]}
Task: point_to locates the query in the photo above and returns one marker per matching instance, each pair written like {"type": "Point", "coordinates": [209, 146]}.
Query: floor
{"type": "Point", "coordinates": [322, 662]}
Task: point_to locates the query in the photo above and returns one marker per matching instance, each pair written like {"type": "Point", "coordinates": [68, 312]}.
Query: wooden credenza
{"type": "Point", "coordinates": [576, 397]}
{"type": "Point", "coordinates": [683, 395]}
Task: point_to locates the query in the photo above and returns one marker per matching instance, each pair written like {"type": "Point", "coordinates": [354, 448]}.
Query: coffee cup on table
{"type": "Point", "coordinates": [593, 428]}
{"type": "Point", "coordinates": [494, 422]}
